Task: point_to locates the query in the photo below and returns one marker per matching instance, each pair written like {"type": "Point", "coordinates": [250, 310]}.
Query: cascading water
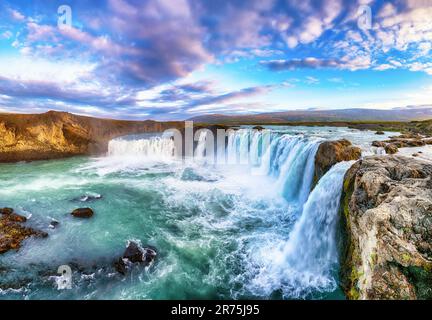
{"type": "Point", "coordinates": [162, 148]}
{"type": "Point", "coordinates": [307, 262]}
{"type": "Point", "coordinates": [288, 159]}
{"type": "Point", "coordinates": [304, 262]}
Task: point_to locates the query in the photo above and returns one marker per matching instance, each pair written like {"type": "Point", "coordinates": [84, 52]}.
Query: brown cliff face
{"type": "Point", "coordinates": [331, 152]}
{"type": "Point", "coordinates": [60, 134]}
{"type": "Point", "coordinates": [387, 221]}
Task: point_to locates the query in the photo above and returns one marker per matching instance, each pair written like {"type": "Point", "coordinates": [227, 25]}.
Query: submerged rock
{"type": "Point", "coordinates": [89, 198]}
{"type": "Point", "coordinates": [53, 224]}
{"type": "Point", "coordinates": [387, 223]}
{"type": "Point", "coordinates": [134, 253]}
{"type": "Point", "coordinates": [331, 152]}
{"type": "Point", "coordinates": [83, 213]}
{"type": "Point", "coordinates": [12, 232]}
{"type": "Point", "coordinates": [189, 174]}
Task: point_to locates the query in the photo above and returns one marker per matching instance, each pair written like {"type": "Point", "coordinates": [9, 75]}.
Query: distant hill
{"type": "Point", "coordinates": [355, 114]}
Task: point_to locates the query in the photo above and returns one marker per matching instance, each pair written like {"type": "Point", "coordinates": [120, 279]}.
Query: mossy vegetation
{"type": "Point", "coordinates": [350, 256]}
{"type": "Point", "coordinates": [421, 278]}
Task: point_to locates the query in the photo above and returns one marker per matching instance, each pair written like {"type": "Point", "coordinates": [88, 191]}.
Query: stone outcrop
{"type": "Point", "coordinates": [25, 137]}
{"type": "Point", "coordinates": [387, 226]}
{"type": "Point", "coordinates": [83, 213]}
{"type": "Point", "coordinates": [12, 231]}
{"type": "Point", "coordinates": [391, 148]}
{"type": "Point", "coordinates": [392, 145]}
{"type": "Point", "coordinates": [331, 152]}
{"type": "Point", "coordinates": [134, 253]}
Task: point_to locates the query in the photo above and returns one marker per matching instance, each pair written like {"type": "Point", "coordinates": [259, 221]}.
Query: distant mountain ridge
{"type": "Point", "coordinates": [353, 114]}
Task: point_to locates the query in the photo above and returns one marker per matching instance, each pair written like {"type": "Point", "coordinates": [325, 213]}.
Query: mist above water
{"type": "Point", "coordinates": [222, 231]}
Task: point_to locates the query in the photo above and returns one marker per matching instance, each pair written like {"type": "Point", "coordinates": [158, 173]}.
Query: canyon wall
{"type": "Point", "coordinates": [53, 134]}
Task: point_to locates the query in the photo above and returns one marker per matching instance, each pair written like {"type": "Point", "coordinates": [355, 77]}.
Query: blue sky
{"type": "Point", "coordinates": [175, 59]}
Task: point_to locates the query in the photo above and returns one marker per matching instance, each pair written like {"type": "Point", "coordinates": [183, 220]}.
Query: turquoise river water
{"type": "Point", "coordinates": [221, 232]}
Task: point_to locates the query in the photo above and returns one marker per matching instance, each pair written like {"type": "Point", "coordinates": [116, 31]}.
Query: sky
{"type": "Point", "coordinates": [176, 59]}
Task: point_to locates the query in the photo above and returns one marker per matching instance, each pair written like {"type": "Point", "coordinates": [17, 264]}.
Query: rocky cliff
{"type": "Point", "coordinates": [60, 134]}
{"type": "Point", "coordinates": [387, 226]}
{"type": "Point", "coordinates": [331, 152]}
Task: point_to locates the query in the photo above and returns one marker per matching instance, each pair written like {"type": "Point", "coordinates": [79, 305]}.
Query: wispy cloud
{"type": "Point", "coordinates": [134, 56]}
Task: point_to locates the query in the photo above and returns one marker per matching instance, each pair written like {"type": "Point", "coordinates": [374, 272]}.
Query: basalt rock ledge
{"type": "Point", "coordinates": [387, 229]}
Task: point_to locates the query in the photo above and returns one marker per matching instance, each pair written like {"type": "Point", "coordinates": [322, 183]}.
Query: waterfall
{"type": "Point", "coordinates": [200, 151]}
{"type": "Point", "coordinates": [288, 159]}
{"type": "Point", "coordinates": [158, 148]}
{"type": "Point", "coordinates": [304, 259]}
{"type": "Point", "coordinates": [307, 261]}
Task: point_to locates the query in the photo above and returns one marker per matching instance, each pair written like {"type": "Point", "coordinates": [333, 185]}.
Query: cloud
{"type": "Point", "coordinates": [228, 97]}
{"type": "Point", "coordinates": [76, 94]}
{"type": "Point", "coordinates": [6, 35]}
{"type": "Point", "coordinates": [311, 80]}
{"type": "Point", "coordinates": [309, 63]}
{"type": "Point", "coordinates": [16, 15]}
{"type": "Point", "coordinates": [140, 50]}
{"type": "Point", "coordinates": [314, 63]}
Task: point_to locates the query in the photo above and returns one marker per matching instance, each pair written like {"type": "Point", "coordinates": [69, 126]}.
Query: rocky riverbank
{"type": "Point", "coordinates": [13, 232]}
{"type": "Point", "coordinates": [392, 145]}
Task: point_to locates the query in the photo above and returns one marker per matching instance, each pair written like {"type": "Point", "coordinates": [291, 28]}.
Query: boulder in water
{"type": "Point", "coordinates": [83, 213]}
{"type": "Point", "coordinates": [379, 144]}
{"type": "Point", "coordinates": [12, 232]}
{"type": "Point", "coordinates": [391, 148]}
{"type": "Point", "coordinates": [387, 222]}
{"type": "Point", "coordinates": [134, 253]}
{"type": "Point", "coordinates": [379, 133]}
{"type": "Point", "coordinates": [331, 152]}
{"type": "Point", "coordinates": [6, 211]}
{"type": "Point", "coordinates": [259, 128]}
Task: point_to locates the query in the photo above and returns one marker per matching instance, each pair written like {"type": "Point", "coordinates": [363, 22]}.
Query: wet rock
{"type": "Point", "coordinates": [12, 232]}
{"type": "Point", "coordinates": [134, 253]}
{"type": "Point", "coordinates": [405, 143]}
{"type": "Point", "coordinates": [379, 133]}
{"type": "Point", "coordinates": [331, 152]}
{"type": "Point", "coordinates": [408, 135]}
{"type": "Point", "coordinates": [391, 148]}
{"type": "Point", "coordinates": [83, 213]}
{"type": "Point", "coordinates": [378, 144]}
{"type": "Point", "coordinates": [259, 128]}
{"type": "Point", "coordinates": [89, 198]}
{"type": "Point", "coordinates": [6, 211]}
{"type": "Point", "coordinates": [386, 220]}
{"type": "Point", "coordinates": [53, 224]}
